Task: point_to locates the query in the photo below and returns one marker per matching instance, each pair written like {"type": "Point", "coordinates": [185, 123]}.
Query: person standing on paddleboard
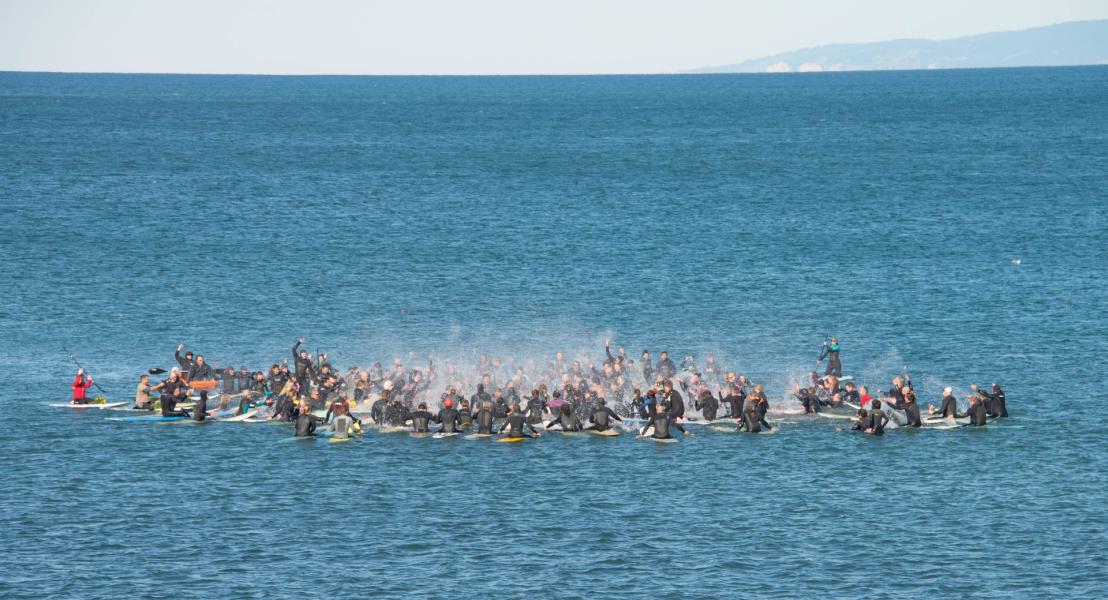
{"type": "Point", "coordinates": [81, 384]}
{"type": "Point", "coordinates": [831, 353]}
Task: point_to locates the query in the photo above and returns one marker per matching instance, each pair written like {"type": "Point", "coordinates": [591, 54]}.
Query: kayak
{"type": "Point", "coordinates": [101, 406]}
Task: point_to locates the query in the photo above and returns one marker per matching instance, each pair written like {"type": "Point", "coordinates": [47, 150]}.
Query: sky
{"type": "Point", "coordinates": [474, 37]}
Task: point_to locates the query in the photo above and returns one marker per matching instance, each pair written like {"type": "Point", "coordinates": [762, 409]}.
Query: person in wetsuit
{"type": "Point", "coordinates": [342, 426]}
{"type": "Point", "coordinates": [303, 366]}
{"type": "Point", "coordinates": [850, 394]}
{"type": "Point", "coordinates": [672, 401]}
{"type": "Point", "coordinates": [465, 416]}
{"type": "Point", "coordinates": [535, 408]}
{"type": "Point", "coordinates": [911, 409]}
{"type": "Point", "coordinates": [994, 402]}
{"type": "Point", "coordinates": [601, 417]}
{"type": "Point", "coordinates": [949, 407]}
{"type": "Point", "coordinates": [306, 422]}
{"type": "Point", "coordinates": [484, 416]}
{"type": "Point", "coordinates": [708, 405]}
{"type": "Point", "coordinates": [515, 422]}
{"type": "Point", "coordinates": [976, 412]}
{"type": "Point", "coordinates": [831, 353]}
{"type": "Point", "coordinates": [200, 371]}
{"type": "Point", "coordinates": [421, 418]}
{"type": "Point", "coordinates": [449, 417]}
{"type": "Point", "coordinates": [661, 421]}
{"type": "Point", "coordinates": [173, 391]}
{"type": "Point", "coordinates": [567, 419]}
{"type": "Point", "coordinates": [807, 398]}
{"type": "Point", "coordinates": [183, 362]}
{"type": "Point", "coordinates": [734, 401]}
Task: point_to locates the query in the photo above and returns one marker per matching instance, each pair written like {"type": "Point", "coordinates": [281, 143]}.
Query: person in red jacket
{"type": "Point", "coordinates": [80, 387]}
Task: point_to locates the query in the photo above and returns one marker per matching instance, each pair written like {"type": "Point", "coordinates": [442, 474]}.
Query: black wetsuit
{"type": "Point", "coordinates": [377, 410]}
{"type": "Point", "coordinates": [534, 411]}
{"type": "Point", "coordinates": [666, 368]}
{"type": "Point", "coordinates": [949, 408]}
{"type": "Point", "coordinates": [396, 413]}
{"type": "Point", "coordinates": [911, 410]}
{"type": "Point", "coordinates": [172, 393]}
{"type": "Point", "coordinates": [735, 402]}
{"type": "Point", "coordinates": [303, 368]}
{"type": "Point", "coordinates": [977, 414]}
{"type": "Point", "coordinates": [834, 367]}
{"type": "Point", "coordinates": [465, 419]}
{"type": "Point", "coordinates": [184, 363]}
{"type": "Point", "coordinates": [708, 406]}
{"type": "Point", "coordinates": [875, 420]}
{"type": "Point", "coordinates": [808, 400]}
{"type": "Point", "coordinates": [751, 418]}
{"type": "Point", "coordinates": [514, 423]}
{"type": "Point", "coordinates": [306, 423]}
{"type": "Point", "coordinates": [569, 422]}
{"type": "Point", "coordinates": [484, 418]}
{"type": "Point", "coordinates": [420, 421]}
{"type": "Point", "coordinates": [601, 417]}
{"type": "Point", "coordinates": [851, 397]}
{"type": "Point", "coordinates": [675, 405]}
{"type": "Point", "coordinates": [763, 407]}
{"type": "Point", "coordinates": [1001, 403]}
{"type": "Point", "coordinates": [451, 420]}
{"type": "Point", "coordinates": [661, 423]}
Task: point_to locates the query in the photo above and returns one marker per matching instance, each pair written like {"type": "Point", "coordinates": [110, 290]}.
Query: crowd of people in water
{"type": "Point", "coordinates": [656, 397]}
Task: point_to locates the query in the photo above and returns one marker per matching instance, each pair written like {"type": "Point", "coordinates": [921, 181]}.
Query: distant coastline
{"type": "Point", "coordinates": [1077, 43]}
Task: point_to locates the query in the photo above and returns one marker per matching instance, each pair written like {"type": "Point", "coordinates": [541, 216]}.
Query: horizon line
{"type": "Point", "coordinates": [612, 74]}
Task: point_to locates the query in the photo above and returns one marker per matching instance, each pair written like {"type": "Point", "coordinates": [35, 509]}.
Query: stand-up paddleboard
{"type": "Point", "coordinates": [240, 418]}
{"type": "Point", "coordinates": [606, 432]}
{"type": "Point", "coordinates": [441, 434]}
{"type": "Point", "coordinates": [101, 406]}
{"type": "Point", "coordinates": [511, 439]}
{"type": "Point", "coordinates": [154, 419]}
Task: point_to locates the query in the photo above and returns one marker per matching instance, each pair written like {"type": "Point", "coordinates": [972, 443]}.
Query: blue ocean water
{"type": "Point", "coordinates": [746, 216]}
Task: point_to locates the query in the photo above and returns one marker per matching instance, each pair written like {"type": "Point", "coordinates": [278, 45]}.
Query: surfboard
{"type": "Point", "coordinates": [420, 434]}
{"type": "Point", "coordinates": [511, 439]}
{"type": "Point", "coordinates": [339, 440]}
{"type": "Point", "coordinates": [828, 415]}
{"type": "Point", "coordinates": [102, 406]}
{"type": "Point", "coordinates": [929, 421]}
{"type": "Point", "coordinates": [393, 429]}
{"type": "Point", "coordinates": [149, 419]}
{"type": "Point", "coordinates": [440, 435]}
{"type": "Point", "coordinates": [663, 440]}
{"type": "Point", "coordinates": [606, 432]}
{"type": "Point", "coordinates": [240, 418]}
{"type": "Point", "coordinates": [475, 436]}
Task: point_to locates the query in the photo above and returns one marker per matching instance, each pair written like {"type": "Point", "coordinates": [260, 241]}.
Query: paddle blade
{"type": "Point", "coordinates": [156, 371]}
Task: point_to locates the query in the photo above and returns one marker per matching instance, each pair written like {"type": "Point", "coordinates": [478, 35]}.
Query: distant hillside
{"type": "Point", "coordinates": [1074, 43]}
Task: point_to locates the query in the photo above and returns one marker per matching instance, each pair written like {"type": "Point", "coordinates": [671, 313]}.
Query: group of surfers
{"type": "Point", "coordinates": [400, 397]}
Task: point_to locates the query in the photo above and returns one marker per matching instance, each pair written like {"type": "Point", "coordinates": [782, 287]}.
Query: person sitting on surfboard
{"type": "Point", "coordinates": [601, 417]}
{"type": "Point", "coordinates": [567, 419]}
{"type": "Point", "coordinates": [734, 400]}
{"type": "Point", "coordinates": [81, 384]}
{"type": "Point", "coordinates": [672, 401]}
{"type": "Point", "coordinates": [448, 416]}
{"type": "Point", "coordinates": [306, 422]}
{"type": "Point", "coordinates": [515, 422]}
{"type": "Point", "coordinates": [708, 405]}
{"type": "Point", "coordinates": [949, 407]}
{"type": "Point", "coordinates": [422, 418]}
{"type": "Point", "coordinates": [911, 408]}
{"type": "Point", "coordinates": [661, 422]}
{"type": "Point", "coordinates": [142, 394]}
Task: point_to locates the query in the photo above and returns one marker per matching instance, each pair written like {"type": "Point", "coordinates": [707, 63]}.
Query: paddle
{"type": "Point", "coordinates": [155, 371]}
{"type": "Point", "coordinates": [74, 359]}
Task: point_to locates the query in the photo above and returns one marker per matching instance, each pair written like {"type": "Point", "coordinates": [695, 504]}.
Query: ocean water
{"type": "Point", "coordinates": [747, 216]}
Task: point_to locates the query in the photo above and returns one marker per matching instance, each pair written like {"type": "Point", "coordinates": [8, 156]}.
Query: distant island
{"type": "Point", "coordinates": [1073, 43]}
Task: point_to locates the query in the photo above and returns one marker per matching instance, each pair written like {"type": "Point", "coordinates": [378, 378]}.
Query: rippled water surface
{"type": "Point", "coordinates": [748, 216]}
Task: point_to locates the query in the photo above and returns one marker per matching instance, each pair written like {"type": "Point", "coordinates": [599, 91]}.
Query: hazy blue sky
{"type": "Point", "coordinates": [474, 36]}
